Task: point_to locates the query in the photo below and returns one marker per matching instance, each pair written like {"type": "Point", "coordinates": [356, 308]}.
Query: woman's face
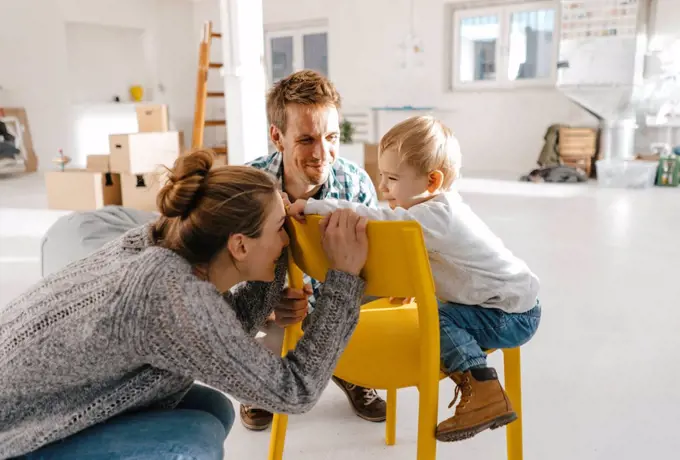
{"type": "Point", "coordinates": [262, 253]}
{"type": "Point", "coordinates": [252, 259]}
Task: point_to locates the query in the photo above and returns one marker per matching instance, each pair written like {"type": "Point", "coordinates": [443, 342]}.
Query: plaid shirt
{"type": "Point", "coordinates": [346, 181]}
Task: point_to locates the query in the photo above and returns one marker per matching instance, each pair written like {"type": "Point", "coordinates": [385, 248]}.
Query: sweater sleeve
{"type": "Point", "coordinates": [190, 329]}
{"type": "Point", "coordinates": [253, 301]}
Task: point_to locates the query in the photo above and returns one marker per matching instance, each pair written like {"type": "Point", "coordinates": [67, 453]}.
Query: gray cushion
{"type": "Point", "coordinates": [76, 235]}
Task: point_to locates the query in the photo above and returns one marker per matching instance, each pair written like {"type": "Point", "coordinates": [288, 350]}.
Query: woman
{"type": "Point", "coordinates": [99, 359]}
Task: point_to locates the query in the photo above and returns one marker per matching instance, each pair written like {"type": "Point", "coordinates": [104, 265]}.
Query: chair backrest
{"type": "Point", "coordinates": [397, 265]}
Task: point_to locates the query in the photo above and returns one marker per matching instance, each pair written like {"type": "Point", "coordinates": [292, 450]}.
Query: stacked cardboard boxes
{"type": "Point", "coordinates": [140, 159]}
{"type": "Point", "coordinates": [131, 175]}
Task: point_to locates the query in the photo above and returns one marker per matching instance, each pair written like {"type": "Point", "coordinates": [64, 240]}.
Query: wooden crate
{"type": "Point", "coordinates": [577, 147]}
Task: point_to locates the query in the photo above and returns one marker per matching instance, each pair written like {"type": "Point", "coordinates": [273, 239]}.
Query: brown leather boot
{"type": "Point", "coordinates": [483, 404]}
{"type": "Point", "coordinates": [365, 402]}
{"type": "Point", "coordinates": [255, 419]}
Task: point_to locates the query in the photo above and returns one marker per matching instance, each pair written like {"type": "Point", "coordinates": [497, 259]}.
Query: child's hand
{"type": "Point", "coordinates": [297, 210]}
{"type": "Point", "coordinates": [401, 300]}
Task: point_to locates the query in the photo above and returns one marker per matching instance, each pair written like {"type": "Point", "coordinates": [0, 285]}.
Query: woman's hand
{"type": "Point", "coordinates": [297, 210]}
{"type": "Point", "coordinates": [344, 240]}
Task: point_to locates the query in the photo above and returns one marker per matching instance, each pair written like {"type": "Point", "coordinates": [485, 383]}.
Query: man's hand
{"type": "Point", "coordinates": [293, 306]}
{"type": "Point", "coordinates": [401, 300]}
{"type": "Point", "coordinates": [297, 210]}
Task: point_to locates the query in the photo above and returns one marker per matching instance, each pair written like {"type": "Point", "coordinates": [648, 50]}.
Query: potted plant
{"type": "Point", "coordinates": [350, 151]}
{"type": "Point", "coordinates": [347, 131]}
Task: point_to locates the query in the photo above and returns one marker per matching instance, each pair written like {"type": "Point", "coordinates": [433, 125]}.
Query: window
{"type": "Point", "coordinates": [295, 49]}
{"type": "Point", "coordinates": [505, 46]}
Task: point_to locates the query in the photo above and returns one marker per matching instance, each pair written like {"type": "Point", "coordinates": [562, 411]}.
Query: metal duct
{"type": "Point", "coordinates": [602, 50]}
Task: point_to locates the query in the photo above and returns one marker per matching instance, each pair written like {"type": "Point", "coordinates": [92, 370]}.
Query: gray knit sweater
{"type": "Point", "coordinates": [131, 327]}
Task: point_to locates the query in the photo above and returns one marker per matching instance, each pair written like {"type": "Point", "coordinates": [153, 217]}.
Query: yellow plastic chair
{"type": "Point", "coordinates": [394, 346]}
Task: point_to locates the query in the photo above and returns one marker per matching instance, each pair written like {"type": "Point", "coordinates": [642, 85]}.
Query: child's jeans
{"type": "Point", "coordinates": [466, 331]}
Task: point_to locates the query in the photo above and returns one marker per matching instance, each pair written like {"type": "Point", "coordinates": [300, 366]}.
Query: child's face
{"type": "Point", "coordinates": [401, 184]}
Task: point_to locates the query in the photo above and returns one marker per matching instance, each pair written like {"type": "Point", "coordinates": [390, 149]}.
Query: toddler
{"type": "Point", "coordinates": [487, 296]}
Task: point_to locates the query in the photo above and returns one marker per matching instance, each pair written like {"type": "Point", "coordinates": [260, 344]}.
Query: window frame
{"type": "Point", "coordinates": [504, 14]}
{"type": "Point", "coordinates": [297, 33]}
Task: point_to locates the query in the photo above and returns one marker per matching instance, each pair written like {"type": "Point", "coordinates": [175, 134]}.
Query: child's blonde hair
{"type": "Point", "coordinates": [426, 144]}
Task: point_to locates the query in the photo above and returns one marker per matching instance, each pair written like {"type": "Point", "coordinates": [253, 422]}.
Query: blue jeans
{"type": "Point", "coordinates": [195, 430]}
{"type": "Point", "coordinates": [466, 331]}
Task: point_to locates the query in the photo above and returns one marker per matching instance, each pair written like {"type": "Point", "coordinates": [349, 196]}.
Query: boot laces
{"type": "Point", "coordinates": [369, 394]}
{"type": "Point", "coordinates": [464, 390]}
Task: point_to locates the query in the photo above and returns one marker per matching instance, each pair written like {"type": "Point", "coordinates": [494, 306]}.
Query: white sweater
{"type": "Point", "coordinates": [470, 264]}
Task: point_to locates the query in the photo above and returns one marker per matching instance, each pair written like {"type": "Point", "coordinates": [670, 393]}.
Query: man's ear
{"type": "Point", "coordinates": [276, 136]}
{"type": "Point", "coordinates": [238, 247]}
{"type": "Point", "coordinates": [435, 179]}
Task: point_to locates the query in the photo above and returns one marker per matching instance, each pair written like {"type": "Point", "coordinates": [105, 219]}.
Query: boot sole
{"type": "Point", "coordinates": [250, 427]}
{"type": "Point", "coordinates": [468, 433]}
{"type": "Point", "coordinates": [354, 409]}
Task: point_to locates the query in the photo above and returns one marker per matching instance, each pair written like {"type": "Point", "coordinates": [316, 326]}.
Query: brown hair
{"type": "Point", "coordinates": [201, 206]}
{"type": "Point", "coordinates": [305, 87]}
{"type": "Point", "coordinates": [426, 144]}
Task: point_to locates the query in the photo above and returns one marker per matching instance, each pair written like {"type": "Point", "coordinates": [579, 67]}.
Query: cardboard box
{"type": "Point", "coordinates": [142, 153]}
{"type": "Point", "coordinates": [140, 190]}
{"type": "Point", "coordinates": [82, 190]}
{"type": "Point", "coordinates": [220, 160]}
{"type": "Point", "coordinates": [653, 157]}
{"type": "Point", "coordinates": [98, 163]}
{"type": "Point", "coordinates": [152, 118]}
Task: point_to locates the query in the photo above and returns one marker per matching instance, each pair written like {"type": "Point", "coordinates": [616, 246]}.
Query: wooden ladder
{"type": "Point", "coordinates": [202, 93]}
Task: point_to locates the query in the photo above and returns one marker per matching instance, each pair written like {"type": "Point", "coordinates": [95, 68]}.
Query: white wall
{"type": "Point", "coordinates": [104, 61]}
{"type": "Point", "coordinates": [665, 24]}
{"type": "Point", "coordinates": [34, 69]}
{"type": "Point", "coordinates": [500, 130]}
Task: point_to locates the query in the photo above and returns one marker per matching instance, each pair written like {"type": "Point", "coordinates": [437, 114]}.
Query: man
{"type": "Point", "coordinates": [304, 127]}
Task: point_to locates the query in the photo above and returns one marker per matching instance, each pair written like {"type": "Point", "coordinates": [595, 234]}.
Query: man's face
{"type": "Point", "coordinates": [310, 144]}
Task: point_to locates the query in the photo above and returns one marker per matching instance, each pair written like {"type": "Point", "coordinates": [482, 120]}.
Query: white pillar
{"type": "Point", "coordinates": [244, 79]}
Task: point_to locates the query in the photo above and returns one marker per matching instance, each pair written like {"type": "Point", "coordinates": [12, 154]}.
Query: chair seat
{"type": "Point", "coordinates": [390, 359]}
{"type": "Point", "coordinates": [397, 347]}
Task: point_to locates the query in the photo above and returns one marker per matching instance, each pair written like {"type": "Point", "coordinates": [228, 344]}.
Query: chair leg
{"type": "Point", "coordinates": [278, 437]}
{"type": "Point", "coordinates": [427, 417]}
{"type": "Point", "coordinates": [513, 386]}
{"type": "Point", "coordinates": [391, 425]}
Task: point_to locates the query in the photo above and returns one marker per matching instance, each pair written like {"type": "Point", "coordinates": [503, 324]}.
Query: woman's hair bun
{"type": "Point", "coordinates": [186, 179]}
